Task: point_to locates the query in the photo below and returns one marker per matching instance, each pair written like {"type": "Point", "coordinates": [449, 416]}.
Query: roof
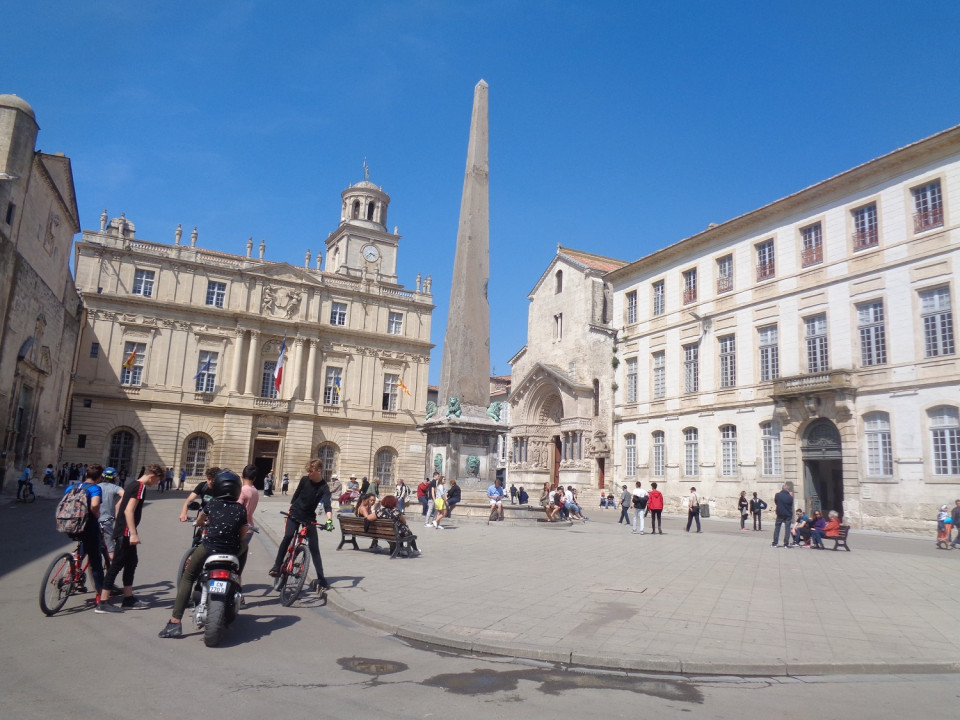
{"type": "Point", "coordinates": [595, 262]}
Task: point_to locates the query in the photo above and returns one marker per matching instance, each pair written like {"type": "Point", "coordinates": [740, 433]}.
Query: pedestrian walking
{"type": "Point", "coordinates": [693, 509]}
{"type": "Point", "coordinates": [655, 506]}
{"type": "Point", "coordinates": [625, 497]}
{"type": "Point", "coordinates": [783, 502]}
{"type": "Point", "coordinates": [639, 501]}
{"type": "Point", "coordinates": [285, 484]}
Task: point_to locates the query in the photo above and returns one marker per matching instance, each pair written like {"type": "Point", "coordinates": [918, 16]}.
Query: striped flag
{"type": "Point", "coordinates": [278, 371]}
{"type": "Point", "coordinates": [402, 386]}
{"type": "Point", "coordinates": [130, 361]}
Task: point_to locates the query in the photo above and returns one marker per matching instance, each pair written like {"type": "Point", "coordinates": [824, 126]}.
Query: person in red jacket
{"type": "Point", "coordinates": [655, 506]}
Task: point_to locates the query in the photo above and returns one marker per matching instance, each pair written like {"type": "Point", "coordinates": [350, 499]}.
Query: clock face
{"type": "Point", "coordinates": [370, 253]}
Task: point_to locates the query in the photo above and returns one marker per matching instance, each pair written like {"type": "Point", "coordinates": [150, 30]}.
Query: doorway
{"type": "Point", "coordinates": [822, 468]}
{"type": "Point", "coordinates": [265, 453]}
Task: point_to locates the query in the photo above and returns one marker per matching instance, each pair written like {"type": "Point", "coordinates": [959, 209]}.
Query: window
{"type": "Point", "coordinates": [630, 459]}
{"type": "Point", "coordinates": [196, 457]}
{"type": "Point", "coordinates": [927, 207]}
{"type": "Point", "coordinates": [143, 283]}
{"type": "Point", "coordinates": [558, 287]}
{"type": "Point", "coordinates": [384, 467]}
{"type": "Point", "coordinates": [395, 323]}
{"type": "Point", "coordinates": [331, 386]}
{"type": "Point", "coordinates": [865, 233]}
{"type": "Point", "coordinates": [216, 293]}
{"type": "Point", "coordinates": [132, 370]}
{"type": "Point", "coordinates": [94, 350]}
{"type": "Point", "coordinates": [596, 397]}
{"type": "Point", "coordinates": [873, 340]}
{"type": "Point", "coordinates": [631, 380]}
{"type": "Point", "coordinates": [728, 361]}
{"type": "Point", "coordinates": [691, 452]}
{"type": "Point", "coordinates": [631, 307]}
{"type": "Point", "coordinates": [769, 353]}
{"type": "Point", "coordinates": [725, 274]}
{"type": "Point", "coordinates": [817, 358]}
{"type": "Point", "coordinates": [770, 448]}
{"type": "Point", "coordinates": [690, 286]}
{"type": "Point", "coordinates": [81, 441]}
{"type": "Point", "coordinates": [658, 298]}
{"type": "Point", "coordinates": [728, 451]}
{"type": "Point", "coordinates": [937, 322]}
{"type": "Point", "coordinates": [766, 265]}
{"type": "Point", "coordinates": [390, 383]}
{"type": "Point", "coordinates": [87, 402]}
{"type": "Point", "coordinates": [691, 368]}
{"type": "Point", "coordinates": [206, 376]}
{"type": "Point", "coordinates": [659, 454]}
{"type": "Point", "coordinates": [328, 456]}
{"type": "Point", "coordinates": [338, 313]}
{"type": "Point", "coordinates": [659, 375]}
{"type": "Point", "coordinates": [558, 326]}
{"type": "Point", "coordinates": [268, 385]}
{"type": "Point", "coordinates": [812, 252]}
{"type": "Point", "coordinates": [121, 450]}
{"type": "Point", "coordinates": [879, 447]}
{"type": "Point", "coordinates": [945, 438]}
{"type": "Point", "coordinates": [11, 209]}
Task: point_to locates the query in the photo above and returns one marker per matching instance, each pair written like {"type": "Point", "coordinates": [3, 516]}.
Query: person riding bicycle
{"type": "Point", "coordinates": [90, 536]}
{"type": "Point", "coordinates": [226, 522]}
{"type": "Point", "coordinates": [25, 482]}
{"type": "Point", "coordinates": [310, 493]}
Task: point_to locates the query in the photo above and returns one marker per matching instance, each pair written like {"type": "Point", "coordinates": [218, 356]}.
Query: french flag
{"type": "Point", "coordinates": [278, 371]}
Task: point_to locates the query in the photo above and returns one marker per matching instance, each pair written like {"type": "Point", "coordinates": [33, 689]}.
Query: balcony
{"type": "Point", "coordinates": [812, 255]}
{"type": "Point", "coordinates": [812, 382]}
{"type": "Point", "coordinates": [724, 283]}
{"type": "Point", "coordinates": [689, 295]}
{"type": "Point", "coordinates": [928, 219]}
{"type": "Point", "coordinates": [863, 239]}
{"type": "Point", "coordinates": [766, 270]}
{"type": "Point", "coordinates": [262, 402]}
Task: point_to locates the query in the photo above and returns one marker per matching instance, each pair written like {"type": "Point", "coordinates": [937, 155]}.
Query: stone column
{"type": "Point", "coordinates": [253, 355]}
{"type": "Point", "coordinates": [296, 389]}
{"type": "Point", "coordinates": [237, 357]}
{"type": "Point", "coordinates": [310, 381]}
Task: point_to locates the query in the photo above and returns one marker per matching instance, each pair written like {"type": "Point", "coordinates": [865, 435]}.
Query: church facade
{"type": "Point", "coordinates": [182, 347]}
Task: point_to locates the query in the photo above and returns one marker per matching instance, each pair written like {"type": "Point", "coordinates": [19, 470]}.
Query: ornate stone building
{"type": "Point", "coordinates": [180, 349]}
{"type": "Point", "coordinates": [40, 310]}
{"type": "Point", "coordinates": [560, 399]}
{"type": "Point", "coordinates": [810, 341]}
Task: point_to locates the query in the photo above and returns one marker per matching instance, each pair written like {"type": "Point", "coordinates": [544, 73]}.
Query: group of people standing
{"type": "Point", "coordinates": [436, 499]}
{"type": "Point", "coordinates": [643, 503]}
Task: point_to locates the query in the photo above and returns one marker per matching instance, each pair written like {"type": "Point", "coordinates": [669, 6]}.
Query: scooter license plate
{"type": "Point", "coordinates": [218, 586]}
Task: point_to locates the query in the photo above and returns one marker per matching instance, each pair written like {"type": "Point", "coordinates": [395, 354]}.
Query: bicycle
{"type": "Point", "coordinates": [296, 563]}
{"type": "Point", "coordinates": [27, 495]}
{"type": "Point", "coordinates": [66, 576]}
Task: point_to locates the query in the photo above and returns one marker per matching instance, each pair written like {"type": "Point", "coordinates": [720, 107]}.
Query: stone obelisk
{"type": "Point", "coordinates": [462, 435]}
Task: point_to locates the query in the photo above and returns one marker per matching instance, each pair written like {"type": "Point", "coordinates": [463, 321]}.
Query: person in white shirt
{"type": "Point", "coordinates": [639, 500]}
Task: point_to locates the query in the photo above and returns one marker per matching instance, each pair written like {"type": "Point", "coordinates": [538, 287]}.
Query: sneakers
{"type": "Point", "coordinates": [434, 523]}
{"type": "Point", "coordinates": [439, 527]}
{"type": "Point", "coordinates": [172, 630]}
{"type": "Point", "coordinates": [133, 603]}
{"type": "Point", "coordinates": [274, 572]}
{"type": "Point", "coordinates": [106, 608]}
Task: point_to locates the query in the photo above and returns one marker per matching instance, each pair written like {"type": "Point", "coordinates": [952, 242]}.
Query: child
{"type": "Point", "coordinates": [944, 526]}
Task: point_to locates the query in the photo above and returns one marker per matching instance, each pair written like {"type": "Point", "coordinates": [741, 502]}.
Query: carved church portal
{"type": "Point", "coordinates": [822, 468]}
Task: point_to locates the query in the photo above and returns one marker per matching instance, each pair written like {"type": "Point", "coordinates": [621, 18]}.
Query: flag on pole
{"type": "Point", "coordinates": [278, 371]}
{"type": "Point", "coordinates": [129, 362]}
{"type": "Point", "coordinates": [402, 386]}
{"type": "Point", "coordinates": [204, 369]}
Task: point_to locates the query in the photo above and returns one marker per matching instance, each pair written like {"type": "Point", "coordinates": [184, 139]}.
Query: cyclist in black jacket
{"type": "Point", "coordinates": [312, 492]}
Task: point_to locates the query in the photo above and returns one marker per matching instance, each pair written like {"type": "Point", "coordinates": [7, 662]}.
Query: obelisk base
{"type": "Point", "coordinates": [464, 448]}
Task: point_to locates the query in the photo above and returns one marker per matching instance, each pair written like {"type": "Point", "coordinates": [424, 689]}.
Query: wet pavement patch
{"type": "Point", "coordinates": [554, 682]}
{"type": "Point", "coordinates": [370, 666]}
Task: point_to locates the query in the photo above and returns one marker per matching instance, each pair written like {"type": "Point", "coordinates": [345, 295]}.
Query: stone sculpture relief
{"type": "Point", "coordinates": [453, 408]}
{"type": "Point", "coordinates": [473, 466]}
{"type": "Point", "coordinates": [438, 463]}
{"type": "Point", "coordinates": [494, 410]}
{"type": "Point", "coordinates": [431, 409]}
{"type": "Point", "coordinates": [281, 301]}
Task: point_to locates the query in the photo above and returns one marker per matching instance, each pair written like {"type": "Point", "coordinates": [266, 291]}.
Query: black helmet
{"type": "Point", "coordinates": [226, 485]}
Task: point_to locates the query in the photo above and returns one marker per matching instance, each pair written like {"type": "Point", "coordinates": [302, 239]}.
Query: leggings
{"type": "Point", "coordinates": [656, 521]}
{"type": "Point", "coordinates": [290, 529]}
{"type": "Point", "coordinates": [91, 548]}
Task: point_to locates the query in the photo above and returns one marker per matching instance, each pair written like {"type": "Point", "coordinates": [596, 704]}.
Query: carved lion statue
{"type": "Point", "coordinates": [494, 411]}
{"type": "Point", "coordinates": [431, 409]}
{"type": "Point", "coordinates": [454, 407]}
{"type": "Point", "coordinates": [473, 466]}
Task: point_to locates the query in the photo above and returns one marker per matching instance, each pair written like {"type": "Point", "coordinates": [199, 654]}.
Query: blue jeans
{"type": "Point", "coordinates": [817, 536]}
{"type": "Point", "coordinates": [785, 521]}
{"type": "Point", "coordinates": [693, 514]}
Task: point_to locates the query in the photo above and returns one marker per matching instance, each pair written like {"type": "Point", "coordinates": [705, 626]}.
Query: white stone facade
{"type": "Point", "coordinates": [810, 341]}
{"type": "Point", "coordinates": [354, 340]}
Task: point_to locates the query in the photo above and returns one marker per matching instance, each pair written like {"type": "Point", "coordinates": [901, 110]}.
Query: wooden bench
{"type": "Point", "coordinates": [352, 527]}
{"type": "Point", "coordinates": [841, 539]}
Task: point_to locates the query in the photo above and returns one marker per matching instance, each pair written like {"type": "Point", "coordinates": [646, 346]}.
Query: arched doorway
{"type": "Point", "coordinates": [822, 467]}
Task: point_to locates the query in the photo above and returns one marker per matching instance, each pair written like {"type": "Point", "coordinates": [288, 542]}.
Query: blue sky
{"type": "Point", "coordinates": [615, 127]}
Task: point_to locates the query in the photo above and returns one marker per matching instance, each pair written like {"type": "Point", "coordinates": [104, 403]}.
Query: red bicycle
{"type": "Point", "coordinates": [296, 563]}
{"type": "Point", "coordinates": [66, 576]}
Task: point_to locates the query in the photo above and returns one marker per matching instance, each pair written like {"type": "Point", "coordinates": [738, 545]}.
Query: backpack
{"type": "Point", "coordinates": [640, 501]}
{"type": "Point", "coordinates": [73, 511]}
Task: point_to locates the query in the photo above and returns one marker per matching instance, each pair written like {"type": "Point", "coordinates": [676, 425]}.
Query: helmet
{"type": "Point", "coordinates": [226, 485]}
{"type": "Point", "coordinates": [109, 473]}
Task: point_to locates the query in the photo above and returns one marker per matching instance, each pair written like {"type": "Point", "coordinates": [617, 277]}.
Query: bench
{"type": "Point", "coordinates": [841, 539]}
{"type": "Point", "coordinates": [352, 527]}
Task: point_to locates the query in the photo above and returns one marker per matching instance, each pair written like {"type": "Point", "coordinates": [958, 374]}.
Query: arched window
{"type": "Point", "coordinates": [356, 209]}
{"type": "Point", "coordinates": [386, 459]}
{"type": "Point", "coordinates": [370, 207]}
{"type": "Point", "coordinates": [945, 440]}
{"type": "Point", "coordinates": [728, 450]}
{"type": "Point", "coordinates": [328, 454]}
{"type": "Point", "coordinates": [630, 459]}
{"type": "Point", "coordinates": [659, 454]}
{"type": "Point", "coordinates": [558, 288]}
{"type": "Point", "coordinates": [770, 449]}
{"type": "Point", "coordinates": [268, 386]}
{"type": "Point", "coordinates": [876, 427]}
{"type": "Point", "coordinates": [691, 452]}
{"type": "Point", "coordinates": [195, 458]}
{"type": "Point", "coordinates": [121, 451]}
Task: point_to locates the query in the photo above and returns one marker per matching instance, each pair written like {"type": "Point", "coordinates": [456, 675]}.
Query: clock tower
{"type": "Point", "coordinates": [362, 244]}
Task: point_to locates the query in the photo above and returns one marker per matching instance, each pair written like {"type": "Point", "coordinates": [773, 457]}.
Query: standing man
{"type": "Point", "coordinates": [513, 494]}
{"type": "Point", "coordinates": [655, 505]}
{"type": "Point", "coordinates": [639, 506]}
{"type": "Point", "coordinates": [249, 497]}
{"type": "Point", "coordinates": [783, 501]}
{"type": "Point", "coordinates": [183, 479]}
{"type": "Point", "coordinates": [495, 495]}
{"type": "Point", "coordinates": [422, 496]}
{"type": "Point", "coordinates": [757, 506]}
{"type": "Point", "coordinates": [110, 495]}
{"type": "Point", "coordinates": [955, 516]}
{"type": "Point", "coordinates": [693, 509]}
{"type": "Point", "coordinates": [430, 493]}
{"type": "Point", "coordinates": [625, 497]}
{"type": "Point", "coordinates": [127, 538]}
